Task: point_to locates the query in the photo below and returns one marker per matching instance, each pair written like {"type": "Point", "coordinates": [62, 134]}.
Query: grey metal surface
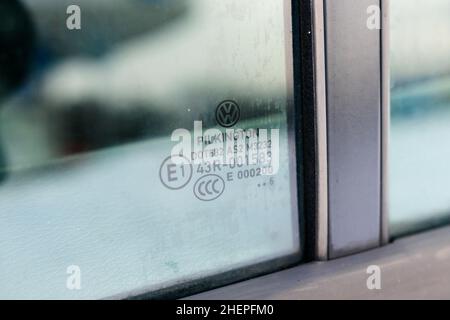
{"type": "Point", "coordinates": [385, 119]}
{"type": "Point", "coordinates": [321, 127]}
{"type": "Point", "coordinates": [411, 268]}
{"type": "Point", "coordinates": [353, 54]}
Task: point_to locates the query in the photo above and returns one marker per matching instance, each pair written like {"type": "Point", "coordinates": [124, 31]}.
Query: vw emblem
{"type": "Point", "coordinates": [228, 113]}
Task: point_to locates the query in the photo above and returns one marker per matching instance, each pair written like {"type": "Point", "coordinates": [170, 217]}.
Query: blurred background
{"type": "Point", "coordinates": [137, 69]}
{"type": "Point", "coordinates": [420, 109]}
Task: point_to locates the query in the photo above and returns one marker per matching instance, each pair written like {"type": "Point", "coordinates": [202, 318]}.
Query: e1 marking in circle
{"type": "Point", "coordinates": [175, 172]}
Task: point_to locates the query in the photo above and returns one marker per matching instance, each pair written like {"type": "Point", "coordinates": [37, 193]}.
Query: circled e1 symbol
{"type": "Point", "coordinates": [175, 172]}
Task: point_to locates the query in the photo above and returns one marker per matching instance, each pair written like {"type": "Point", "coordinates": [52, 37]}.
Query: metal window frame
{"type": "Point", "coordinates": [385, 119]}
{"type": "Point", "coordinates": [351, 216]}
{"type": "Point", "coordinates": [321, 227]}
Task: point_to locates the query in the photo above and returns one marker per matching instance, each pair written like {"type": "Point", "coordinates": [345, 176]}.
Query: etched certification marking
{"type": "Point", "coordinates": [175, 172]}
{"type": "Point", "coordinates": [209, 187]}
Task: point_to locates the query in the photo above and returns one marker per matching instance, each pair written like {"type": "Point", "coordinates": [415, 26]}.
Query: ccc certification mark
{"type": "Point", "coordinates": [209, 187]}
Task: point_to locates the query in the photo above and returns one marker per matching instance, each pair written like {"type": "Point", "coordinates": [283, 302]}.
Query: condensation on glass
{"type": "Point", "coordinates": [85, 133]}
{"type": "Point", "coordinates": [420, 110]}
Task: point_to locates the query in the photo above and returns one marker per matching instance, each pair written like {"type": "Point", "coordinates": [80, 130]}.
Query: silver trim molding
{"type": "Point", "coordinates": [385, 119]}
{"type": "Point", "coordinates": [321, 131]}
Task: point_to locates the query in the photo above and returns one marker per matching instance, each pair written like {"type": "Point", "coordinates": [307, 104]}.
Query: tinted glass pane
{"type": "Point", "coordinates": [420, 135]}
{"type": "Point", "coordinates": [91, 96]}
